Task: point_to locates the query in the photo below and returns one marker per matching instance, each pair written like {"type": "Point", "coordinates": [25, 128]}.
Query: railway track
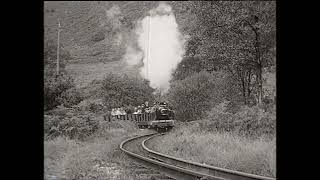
{"type": "Point", "coordinates": [176, 168]}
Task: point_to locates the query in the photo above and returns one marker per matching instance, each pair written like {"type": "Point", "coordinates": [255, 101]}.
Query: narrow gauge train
{"type": "Point", "coordinates": [161, 118]}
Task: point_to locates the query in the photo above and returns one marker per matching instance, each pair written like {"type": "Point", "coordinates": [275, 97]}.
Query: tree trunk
{"type": "Point", "coordinates": [249, 83]}
{"type": "Point", "coordinates": [244, 91]}
{"type": "Point", "coordinates": [259, 79]}
{"type": "Point", "coordinates": [259, 65]}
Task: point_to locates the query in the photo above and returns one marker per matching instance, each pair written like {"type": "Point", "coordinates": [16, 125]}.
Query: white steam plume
{"type": "Point", "coordinates": [160, 40]}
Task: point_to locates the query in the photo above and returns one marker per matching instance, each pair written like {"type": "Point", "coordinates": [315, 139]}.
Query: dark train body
{"type": "Point", "coordinates": [160, 118]}
{"type": "Point", "coordinates": [164, 119]}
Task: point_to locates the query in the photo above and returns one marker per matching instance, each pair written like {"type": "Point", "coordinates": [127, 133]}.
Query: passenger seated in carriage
{"type": "Point", "coordinates": [122, 111]}
{"type": "Point", "coordinates": [113, 112]}
{"type": "Point", "coordinates": [137, 110]}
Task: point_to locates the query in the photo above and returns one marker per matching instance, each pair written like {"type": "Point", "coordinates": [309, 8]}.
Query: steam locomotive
{"type": "Point", "coordinates": [163, 119]}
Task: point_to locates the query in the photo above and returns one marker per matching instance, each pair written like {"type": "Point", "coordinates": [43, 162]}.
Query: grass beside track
{"type": "Point", "coordinates": [96, 158]}
{"type": "Point", "coordinates": [225, 150]}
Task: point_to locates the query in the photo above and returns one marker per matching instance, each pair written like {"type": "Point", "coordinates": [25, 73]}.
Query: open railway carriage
{"type": "Point", "coordinates": [161, 118]}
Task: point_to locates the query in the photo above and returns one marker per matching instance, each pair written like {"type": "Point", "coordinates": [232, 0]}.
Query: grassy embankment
{"type": "Point", "coordinates": [97, 157]}
{"type": "Point", "coordinates": [79, 144]}
{"type": "Point", "coordinates": [221, 148]}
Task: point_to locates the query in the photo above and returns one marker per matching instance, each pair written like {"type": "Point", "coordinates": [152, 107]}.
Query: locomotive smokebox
{"type": "Point", "coordinates": [164, 111]}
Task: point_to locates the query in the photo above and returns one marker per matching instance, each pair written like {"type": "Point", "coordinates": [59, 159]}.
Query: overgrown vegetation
{"type": "Point", "coordinates": [80, 144]}
{"type": "Point", "coordinates": [123, 90]}
{"type": "Point", "coordinates": [72, 126]}
{"type": "Point", "coordinates": [60, 90]}
{"type": "Point", "coordinates": [195, 94]}
{"type": "Point", "coordinates": [250, 122]}
{"type": "Point", "coordinates": [221, 149]}
{"type": "Point", "coordinates": [95, 158]}
{"type": "Point", "coordinates": [244, 140]}
{"type": "Point", "coordinates": [235, 40]}
{"type": "Point", "coordinates": [235, 36]}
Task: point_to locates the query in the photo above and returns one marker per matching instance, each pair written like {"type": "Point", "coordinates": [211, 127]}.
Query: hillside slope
{"type": "Point", "coordinates": [96, 35]}
{"type": "Point", "coordinates": [93, 31]}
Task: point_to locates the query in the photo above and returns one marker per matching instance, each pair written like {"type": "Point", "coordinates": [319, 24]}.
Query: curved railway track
{"type": "Point", "coordinates": [177, 168]}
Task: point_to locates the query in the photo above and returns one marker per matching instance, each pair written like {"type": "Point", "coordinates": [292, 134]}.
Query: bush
{"type": "Point", "coordinates": [70, 97]}
{"type": "Point", "coordinates": [248, 121]}
{"type": "Point", "coordinates": [194, 95]}
{"type": "Point", "coordinates": [60, 111]}
{"type": "Point", "coordinates": [54, 86]}
{"type": "Point", "coordinates": [187, 67]}
{"type": "Point", "coordinates": [97, 158]}
{"type": "Point", "coordinates": [255, 122]}
{"type": "Point", "coordinates": [95, 107]}
{"type": "Point", "coordinates": [79, 127]}
{"type": "Point", "coordinates": [74, 127]}
{"type": "Point", "coordinates": [123, 90]}
{"type": "Point", "coordinates": [50, 124]}
{"type": "Point", "coordinates": [91, 105]}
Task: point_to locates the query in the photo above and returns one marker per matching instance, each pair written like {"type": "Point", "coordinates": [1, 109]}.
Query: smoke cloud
{"type": "Point", "coordinates": [160, 47]}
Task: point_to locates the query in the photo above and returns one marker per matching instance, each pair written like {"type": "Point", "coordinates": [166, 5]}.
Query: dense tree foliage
{"type": "Point", "coordinates": [197, 93]}
{"type": "Point", "coordinates": [70, 97]}
{"type": "Point", "coordinates": [236, 36]}
{"type": "Point", "coordinates": [251, 122]}
{"type": "Point", "coordinates": [187, 67]}
{"type": "Point", "coordinates": [73, 125]}
{"type": "Point", "coordinates": [123, 90]}
{"type": "Point", "coordinates": [59, 90]}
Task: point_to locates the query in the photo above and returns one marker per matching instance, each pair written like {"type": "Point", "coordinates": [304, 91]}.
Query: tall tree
{"type": "Point", "coordinates": [235, 36]}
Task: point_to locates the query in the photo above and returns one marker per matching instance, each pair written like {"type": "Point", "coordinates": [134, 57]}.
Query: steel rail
{"type": "Point", "coordinates": [202, 168]}
{"type": "Point", "coordinates": [179, 171]}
